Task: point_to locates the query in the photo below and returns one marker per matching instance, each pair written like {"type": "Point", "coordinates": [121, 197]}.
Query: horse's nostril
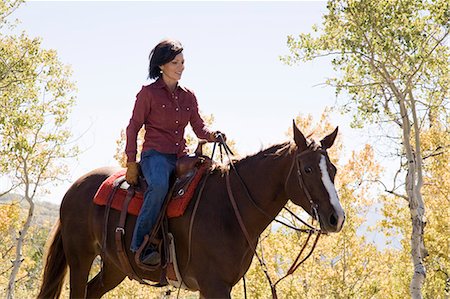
{"type": "Point", "coordinates": [333, 219]}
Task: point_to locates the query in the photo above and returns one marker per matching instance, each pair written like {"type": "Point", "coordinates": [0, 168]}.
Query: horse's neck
{"type": "Point", "coordinates": [265, 182]}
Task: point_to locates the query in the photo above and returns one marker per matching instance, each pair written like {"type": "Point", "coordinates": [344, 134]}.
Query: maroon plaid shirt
{"type": "Point", "coordinates": [165, 115]}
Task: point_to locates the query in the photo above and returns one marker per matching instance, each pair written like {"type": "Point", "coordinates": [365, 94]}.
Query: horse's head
{"type": "Point", "coordinates": [310, 183]}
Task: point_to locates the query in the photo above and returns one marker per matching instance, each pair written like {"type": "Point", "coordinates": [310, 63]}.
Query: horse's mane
{"type": "Point", "coordinates": [275, 151]}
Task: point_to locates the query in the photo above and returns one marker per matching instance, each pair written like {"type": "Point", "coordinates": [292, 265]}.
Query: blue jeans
{"type": "Point", "coordinates": [157, 168]}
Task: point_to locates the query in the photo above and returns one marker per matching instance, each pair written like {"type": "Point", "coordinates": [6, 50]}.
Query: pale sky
{"type": "Point", "coordinates": [232, 54]}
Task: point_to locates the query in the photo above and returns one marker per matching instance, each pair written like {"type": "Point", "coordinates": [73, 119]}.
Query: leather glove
{"type": "Point", "coordinates": [132, 175]}
{"type": "Point", "coordinates": [216, 136]}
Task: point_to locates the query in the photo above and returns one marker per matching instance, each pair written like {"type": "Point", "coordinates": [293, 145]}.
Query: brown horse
{"type": "Point", "coordinates": [220, 254]}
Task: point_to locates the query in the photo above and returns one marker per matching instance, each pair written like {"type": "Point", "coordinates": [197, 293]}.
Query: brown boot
{"type": "Point", "coordinates": [151, 257]}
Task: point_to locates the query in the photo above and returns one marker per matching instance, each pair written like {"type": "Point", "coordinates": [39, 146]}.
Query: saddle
{"type": "Point", "coordinates": [189, 171]}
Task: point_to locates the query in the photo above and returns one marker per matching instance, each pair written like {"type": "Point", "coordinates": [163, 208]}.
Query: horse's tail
{"type": "Point", "coordinates": [55, 267]}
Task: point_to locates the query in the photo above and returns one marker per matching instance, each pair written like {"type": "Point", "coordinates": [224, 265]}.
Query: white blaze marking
{"type": "Point", "coordinates": [334, 199]}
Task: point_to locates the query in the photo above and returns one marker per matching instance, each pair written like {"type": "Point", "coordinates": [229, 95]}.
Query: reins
{"type": "Point", "coordinates": [310, 230]}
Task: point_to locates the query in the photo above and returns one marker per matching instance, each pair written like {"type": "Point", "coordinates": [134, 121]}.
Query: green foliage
{"type": "Point", "coordinates": [382, 50]}
{"type": "Point", "coordinates": [36, 96]}
{"type": "Point", "coordinates": [6, 8]}
{"type": "Point", "coordinates": [436, 195]}
{"type": "Point", "coordinates": [393, 67]}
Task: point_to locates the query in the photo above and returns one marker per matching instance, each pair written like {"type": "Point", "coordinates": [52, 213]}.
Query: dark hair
{"type": "Point", "coordinates": [163, 53]}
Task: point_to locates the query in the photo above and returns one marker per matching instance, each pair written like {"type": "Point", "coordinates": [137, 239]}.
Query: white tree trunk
{"type": "Point", "coordinates": [414, 184]}
{"type": "Point", "coordinates": [417, 243]}
{"type": "Point", "coordinates": [19, 246]}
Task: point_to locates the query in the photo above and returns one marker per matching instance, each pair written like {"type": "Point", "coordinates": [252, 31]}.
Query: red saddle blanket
{"type": "Point", "coordinates": [176, 207]}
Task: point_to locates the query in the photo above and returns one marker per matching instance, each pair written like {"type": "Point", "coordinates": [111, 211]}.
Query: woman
{"type": "Point", "coordinates": [165, 108]}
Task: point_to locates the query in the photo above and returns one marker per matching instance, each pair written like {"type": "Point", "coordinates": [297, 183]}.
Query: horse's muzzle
{"type": "Point", "coordinates": [333, 222]}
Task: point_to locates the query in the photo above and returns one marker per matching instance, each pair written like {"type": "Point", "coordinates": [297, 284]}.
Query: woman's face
{"type": "Point", "coordinates": [173, 70]}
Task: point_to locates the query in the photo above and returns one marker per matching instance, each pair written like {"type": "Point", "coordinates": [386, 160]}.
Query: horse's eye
{"type": "Point", "coordinates": [308, 169]}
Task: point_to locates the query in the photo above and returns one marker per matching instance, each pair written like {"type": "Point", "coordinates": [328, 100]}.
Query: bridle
{"type": "Point", "coordinates": [311, 229]}
{"type": "Point", "coordinates": [303, 186]}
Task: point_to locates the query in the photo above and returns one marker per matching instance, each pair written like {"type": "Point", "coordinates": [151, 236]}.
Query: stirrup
{"type": "Point", "coordinates": [153, 258]}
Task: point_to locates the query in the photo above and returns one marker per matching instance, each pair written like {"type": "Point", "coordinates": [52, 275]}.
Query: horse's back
{"type": "Point", "coordinates": [82, 191]}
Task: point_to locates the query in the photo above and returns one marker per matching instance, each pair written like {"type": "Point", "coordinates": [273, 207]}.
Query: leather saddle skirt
{"type": "Point", "coordinates": [189, 172]}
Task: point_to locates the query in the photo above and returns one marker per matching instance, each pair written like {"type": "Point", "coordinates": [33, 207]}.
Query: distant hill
{"type": "Point", "coordinates": [9, 197]}
{"type": "Point", "coordinates": [45, 213]}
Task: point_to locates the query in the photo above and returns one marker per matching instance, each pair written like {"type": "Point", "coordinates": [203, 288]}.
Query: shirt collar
{"type": "Point", "coordinates": [161, 84]}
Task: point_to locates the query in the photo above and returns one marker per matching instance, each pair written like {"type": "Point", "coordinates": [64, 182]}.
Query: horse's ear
{"type": "Point", "coordinates": [328, 141]}
{"type": "Point", "coordinates": [299, 138]}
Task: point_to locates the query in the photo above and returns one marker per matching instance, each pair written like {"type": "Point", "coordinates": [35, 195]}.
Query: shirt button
{"type": "Point", "coordinates": [187, 108]}
{"type": "Point", "coordinates": [176, 98]}
{"type": "Point", "coordinates": [177, 144]}
{"type": "Point", "coordinates": [176, 109]}
{"type": "Point", "coordinates": [176, 121]}
{"type": "Point", "coordinates": [176, 132]}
